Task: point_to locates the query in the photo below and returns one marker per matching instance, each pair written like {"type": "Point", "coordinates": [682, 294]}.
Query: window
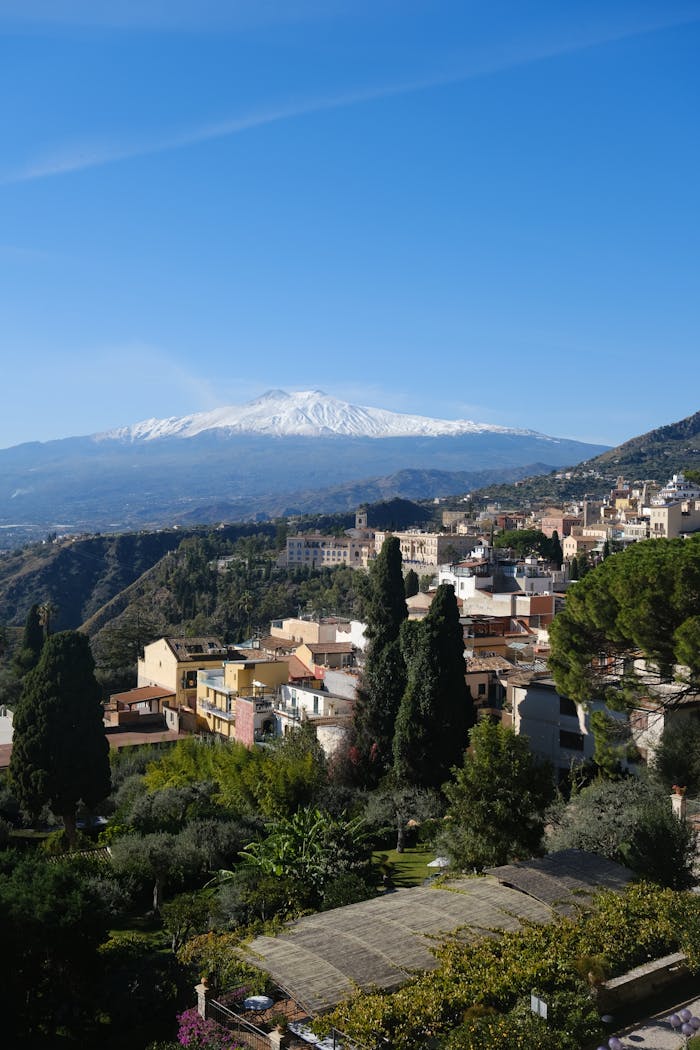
{"type": "Point", "coordinates": [567, 707]}
{"type": "Point", "coordinates": [315, 705]}
{"type": "Point", "coordinates": [639, 721]}
{"type": "Point", "coordinates": [571, 741]}
{"type": "Point", "coordinates": [482, 689]}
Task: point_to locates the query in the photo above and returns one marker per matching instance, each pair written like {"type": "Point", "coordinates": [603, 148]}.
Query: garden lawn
{"type": "Point", "coordinates": [409, 868]}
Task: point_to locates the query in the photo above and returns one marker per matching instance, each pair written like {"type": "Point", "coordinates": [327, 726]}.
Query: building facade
{"type": "Point", "coordinates": [236, 701]}
{"type": "Point", "coordinates": [428, 548]}
{"type": "Point", "coordinates": [173, 663]}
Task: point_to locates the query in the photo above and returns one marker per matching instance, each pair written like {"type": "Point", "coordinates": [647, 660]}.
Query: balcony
{"type": "Point", "coordinates": [212, 709]}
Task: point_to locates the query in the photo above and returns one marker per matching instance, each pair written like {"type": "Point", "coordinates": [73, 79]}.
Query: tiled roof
{"type": "Point", "coordinates": [145, 692]}
{"type": "Point", "coordinates": [297, 669]}
{"type": "Point", "coordinates": [273, 642]}
{"type": "Point", "coordinates": [488, 663]}
{"type": "Point", "coordinates": [330, 647]}
{"type": "Point", "coordinates": [207, 646]}
{"type": "Point", "coordinates": [132, 738]}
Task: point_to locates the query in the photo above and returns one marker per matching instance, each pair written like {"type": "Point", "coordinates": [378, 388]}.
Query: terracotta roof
{"type": "Point", "coordinates": [297, 669]}
{"type": "Point", "coordinates": [132, 738]}
{"type": "Point", "coordinates": [145, 692]}
{"type": "Point", "coordinates": [274, 642]}
{"type": "Point", "coordinates": [488, 663]}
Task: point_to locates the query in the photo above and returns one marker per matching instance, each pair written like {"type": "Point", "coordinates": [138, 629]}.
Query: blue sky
{"type": "Point", "coordinates": [465, 209]}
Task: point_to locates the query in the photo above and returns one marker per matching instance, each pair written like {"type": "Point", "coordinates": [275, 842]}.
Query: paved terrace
{"type": "Point", "coordinates": [321, 959]}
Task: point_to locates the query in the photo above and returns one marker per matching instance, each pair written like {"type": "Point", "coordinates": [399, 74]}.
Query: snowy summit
{"type": "Point", "coordinates": [306, 413]}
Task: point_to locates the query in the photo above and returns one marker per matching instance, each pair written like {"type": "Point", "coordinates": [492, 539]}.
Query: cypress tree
{"type": "Point", "coordinates": [384, 677]}
{"type": "Point", "coordinates": [555, 550]}
{"type": "Point", "coordinates": [436, 711]}
{"type": "Point", "coordinates": [60, 753]}
{"type": "Point", "coordinates": [32, 643]}
{"type": "Point", "coordinates": [411, 584]}
{"type": "Point", "coordinates": [387, 604]}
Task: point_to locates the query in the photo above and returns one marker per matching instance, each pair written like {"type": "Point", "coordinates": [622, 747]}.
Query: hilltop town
{"type": "Point", "coordinates": [218, 745]}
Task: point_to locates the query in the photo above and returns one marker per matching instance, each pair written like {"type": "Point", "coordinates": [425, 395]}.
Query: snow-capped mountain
{"type": "Point", "coordinates": [280, 445]}
{"type": "Point", "coordinates": [306, 413]}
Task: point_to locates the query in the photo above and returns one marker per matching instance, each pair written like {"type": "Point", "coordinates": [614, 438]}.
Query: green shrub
{"type": "Point", "coordinates": [57, 843]}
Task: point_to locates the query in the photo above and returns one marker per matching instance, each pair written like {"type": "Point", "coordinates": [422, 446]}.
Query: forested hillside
{"type": "Point", "coordinates": [653, 456]}
{"type": "Point", "coordinates": [81, 575]}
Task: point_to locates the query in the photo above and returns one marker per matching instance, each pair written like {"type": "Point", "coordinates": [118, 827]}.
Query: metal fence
{"type": "Point", "coordinates": [340, 1041]}
{"type": "Point", "coordinates": [244, 1031]}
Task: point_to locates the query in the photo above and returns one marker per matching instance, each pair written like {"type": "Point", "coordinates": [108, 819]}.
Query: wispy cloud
{"type": "Point", "coordinates": [78, 158]}
{"type": "Point", "coordinates": [165, 15]}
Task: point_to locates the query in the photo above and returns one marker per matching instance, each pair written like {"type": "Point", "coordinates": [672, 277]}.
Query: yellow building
{"type": "Point", "coordinates": [235, 701]}
{"type": "Point", "coordinates": [173, 663]}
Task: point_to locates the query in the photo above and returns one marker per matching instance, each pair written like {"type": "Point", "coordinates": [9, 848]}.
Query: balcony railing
{"type": "Point", "coordinates": [212, 709]}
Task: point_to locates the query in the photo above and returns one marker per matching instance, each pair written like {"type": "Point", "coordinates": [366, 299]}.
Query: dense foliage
{"type": "Point", "coordinates": [478, 996]}
{"type": "Point", "coordinates": [529, 541]}
{"type": "Point", "coordinates": [632, 623]}
{"type": "Point", "coordinates": [497, 801]}
{"type": "Point", "coordinates": [677, 758]}
{"type": "Point", "coordinates": [629, 821]}
{"type": "Point", "coordinates": [51, 923]}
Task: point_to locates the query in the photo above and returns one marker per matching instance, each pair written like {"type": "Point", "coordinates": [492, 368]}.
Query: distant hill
{"type": "Point", "coordinates": [656, 454]}
{"type": "Point", "coordinates": [404, 484]}
{"type": "Point", "coordinates": [653, 456]}
{"type": "Point", "coordinates": [81, 575]}
{"type": "Point", "coordinates": [91, 579]}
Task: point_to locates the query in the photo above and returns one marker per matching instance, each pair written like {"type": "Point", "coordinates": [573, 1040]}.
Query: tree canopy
{"type": "Point", "coordinates": [632, 624]}
{"type": "Point", "coordinates": [60, 755]}
{"type": "Point", "coordinates": [411, 583]}
{"type": "Point", "coordinates": [524, 542]}
{"type": "Point", "coordinates": [51, 923]}
{"type": "Point", "coordinates": [32, 643]}
{"type": "Point", "coordinates": [497, 800]}
{"type": "Point", "coordinates": [386, 607]}
{"type": "Point", "coordinates": [629, 821]}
